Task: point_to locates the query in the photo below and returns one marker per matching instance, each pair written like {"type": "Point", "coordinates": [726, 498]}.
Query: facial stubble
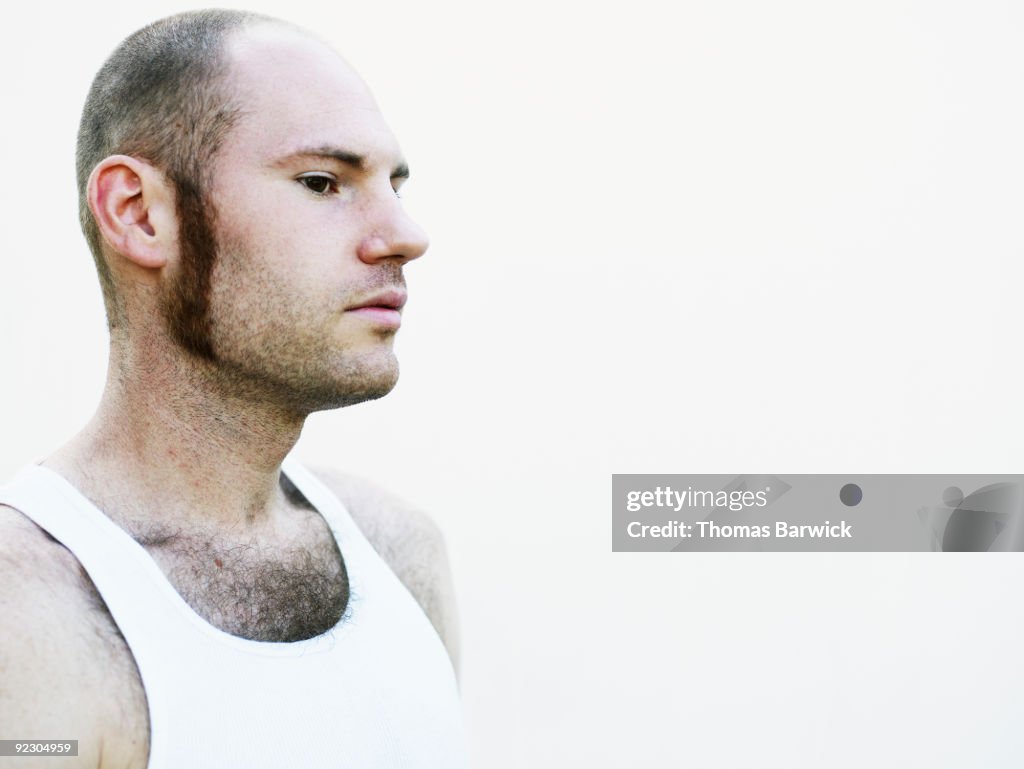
{"type": "Point", "coordinates": [305, 380]}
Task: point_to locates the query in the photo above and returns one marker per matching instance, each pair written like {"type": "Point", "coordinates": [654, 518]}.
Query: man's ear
{"type": "Point", "coordinates": [133, 206]}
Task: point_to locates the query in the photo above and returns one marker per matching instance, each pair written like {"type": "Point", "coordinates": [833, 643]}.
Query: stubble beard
{"type": "Point", "coordinates": [185, 304]}
{"type": "Point", "coordinates": [300, 378]}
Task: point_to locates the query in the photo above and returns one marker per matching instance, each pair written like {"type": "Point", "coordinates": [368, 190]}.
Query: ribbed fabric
{"type": "Point", "coordinates": [377, 691]}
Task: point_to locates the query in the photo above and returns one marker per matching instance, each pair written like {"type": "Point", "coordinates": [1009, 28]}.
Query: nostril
{"type": "Point", "coordinates": [374, 247]}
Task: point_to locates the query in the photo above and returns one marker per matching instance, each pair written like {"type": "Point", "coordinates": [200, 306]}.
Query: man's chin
{"type": "Point", "coordinates": [371, 382]}
{"type": "Point", "coordinates": [352, 396]}
{"type": "Point", "coordinates": [317, 381]}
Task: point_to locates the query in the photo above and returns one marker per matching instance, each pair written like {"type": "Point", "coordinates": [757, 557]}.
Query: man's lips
{"type": "Point", "coordinates": [392, 298]}
{"type": "Point", "coordinates": [382, 309]}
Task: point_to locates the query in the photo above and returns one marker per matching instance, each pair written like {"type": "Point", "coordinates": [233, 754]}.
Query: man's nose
{"type": "Point", "coordinates": [396, 236]}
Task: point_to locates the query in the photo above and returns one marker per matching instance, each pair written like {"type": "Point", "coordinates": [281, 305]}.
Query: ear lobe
{"type": "Point", "coordinates": [127, 197]}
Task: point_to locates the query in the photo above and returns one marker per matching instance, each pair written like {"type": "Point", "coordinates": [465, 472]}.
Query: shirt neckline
{"type": "Point", "coordinates": [317, 644]}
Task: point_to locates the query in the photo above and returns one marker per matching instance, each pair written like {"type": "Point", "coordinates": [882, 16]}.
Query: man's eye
{"type": "Point", "coordinates": [317, 184]}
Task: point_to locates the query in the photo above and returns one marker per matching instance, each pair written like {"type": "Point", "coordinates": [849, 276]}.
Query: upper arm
{"type": "Point", "coordinates": [44, 685]}
{"type": "Point", "coordinates": [59, 672]}
{"type": "Point", "coordinates": [410, 543]}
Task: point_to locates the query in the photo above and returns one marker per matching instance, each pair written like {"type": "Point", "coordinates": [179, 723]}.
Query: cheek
{"type": "Point", "coordinates": [283, 260]}
{"type": "Point", "coordinates": [306, 242]}
{"type": "Point", "coordinates": [267, 297]}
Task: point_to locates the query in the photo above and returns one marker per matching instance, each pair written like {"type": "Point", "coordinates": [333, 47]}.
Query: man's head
{"type": "Point", "coordinates": [238, 189]}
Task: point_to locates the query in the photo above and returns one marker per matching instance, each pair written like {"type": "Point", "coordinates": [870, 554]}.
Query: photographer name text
{"type": "Point", "coordinates": [712, 530]}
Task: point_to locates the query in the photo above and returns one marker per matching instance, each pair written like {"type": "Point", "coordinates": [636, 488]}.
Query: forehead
{"type": "Point", "coordinates": [295, 91]}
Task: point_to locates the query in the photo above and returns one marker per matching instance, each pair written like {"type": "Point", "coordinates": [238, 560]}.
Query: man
{"type": "Point", "coordinates": [176, 591]}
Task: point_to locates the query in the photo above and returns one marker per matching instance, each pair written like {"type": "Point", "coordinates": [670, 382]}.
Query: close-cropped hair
{"type": "Point", "coordinates": [160, 97]}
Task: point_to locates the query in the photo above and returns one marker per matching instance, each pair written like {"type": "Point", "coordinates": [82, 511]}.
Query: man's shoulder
{"type": "Point", "coordinates": [396, 528]}
{"type": "Point", "coordinates": [57, 639]}
{"type": "Point", "coordinates": [43, 597]}
{"type": "Point", "coordinates": [30, 558]}
{"type": "Point", "coordinates": [409, 541]}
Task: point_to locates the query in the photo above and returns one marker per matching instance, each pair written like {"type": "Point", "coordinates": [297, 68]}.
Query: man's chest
{"type": "Point", "coordinates": [265, 588]}
{"type": "Point", "coordinates": [256, 588]}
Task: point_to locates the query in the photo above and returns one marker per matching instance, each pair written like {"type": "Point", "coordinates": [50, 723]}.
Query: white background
{"type": "Point", "coordinates": [729, 237]}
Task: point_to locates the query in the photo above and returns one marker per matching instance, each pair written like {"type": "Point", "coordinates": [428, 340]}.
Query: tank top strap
{"type": "Point", "coordinates": [123, 572]}
{"type": "Point", "coordinates": [324, 500]}
{"type": "Point", "coordinates": [368, 572]}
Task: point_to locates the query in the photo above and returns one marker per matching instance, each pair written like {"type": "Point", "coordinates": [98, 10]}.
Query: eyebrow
{"type": "Point", "coordinates": [345, 157]}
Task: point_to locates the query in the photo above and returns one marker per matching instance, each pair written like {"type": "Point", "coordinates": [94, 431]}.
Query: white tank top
{"type": "Point", "coordinates": [377, 691]}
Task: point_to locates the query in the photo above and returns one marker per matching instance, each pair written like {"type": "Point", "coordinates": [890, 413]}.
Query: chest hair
{"type": "Point", "coordinates": [256, 588]}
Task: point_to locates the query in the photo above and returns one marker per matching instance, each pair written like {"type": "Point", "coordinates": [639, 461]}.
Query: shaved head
{"type": "Point", "coordinates": [162, 97]}
{"type": "Point", "coordinates": [271, 192]}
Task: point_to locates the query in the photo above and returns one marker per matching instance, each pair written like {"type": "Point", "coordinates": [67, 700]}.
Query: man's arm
{"type": "Point", "coordinates": [60, 676]}
{"type": "Point", "coordinates": [410, 543]}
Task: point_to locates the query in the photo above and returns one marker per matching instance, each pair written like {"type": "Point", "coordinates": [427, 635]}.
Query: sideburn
{"type": "Point", "coordinates": [186, 305]}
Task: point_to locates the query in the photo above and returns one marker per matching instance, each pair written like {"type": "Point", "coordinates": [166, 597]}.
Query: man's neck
{"type": "Point", "coordinates": [167, 444]}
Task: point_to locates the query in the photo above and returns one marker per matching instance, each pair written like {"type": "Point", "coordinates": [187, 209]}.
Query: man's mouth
{"type": "Point", "coordinates": [383, 308]}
